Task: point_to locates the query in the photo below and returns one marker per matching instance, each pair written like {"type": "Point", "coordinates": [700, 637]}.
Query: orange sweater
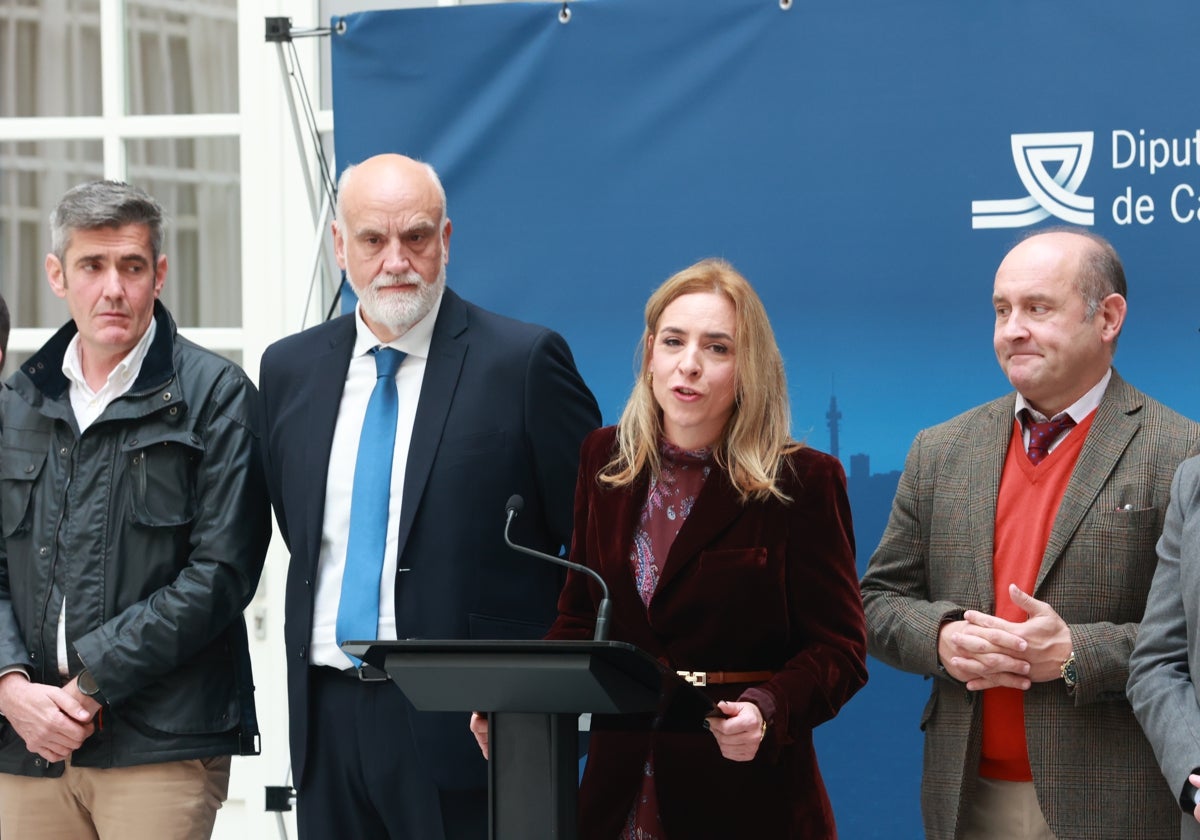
{"type": "Point", "coordinates": [1025, 510]}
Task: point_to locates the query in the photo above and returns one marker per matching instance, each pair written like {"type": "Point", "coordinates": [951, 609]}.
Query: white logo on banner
{"type": "Point", "coordinates": [1048, 193]}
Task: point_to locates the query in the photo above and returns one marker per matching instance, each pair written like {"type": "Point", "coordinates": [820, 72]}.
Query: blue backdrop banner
{"type": "Point", "coordinates": [864, 163]}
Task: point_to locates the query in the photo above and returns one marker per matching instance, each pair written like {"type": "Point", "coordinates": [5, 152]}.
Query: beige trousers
{"type": "Point", "coordinates": [174, 800]}
{"type": "Point", "coordinates": [1004, 810]}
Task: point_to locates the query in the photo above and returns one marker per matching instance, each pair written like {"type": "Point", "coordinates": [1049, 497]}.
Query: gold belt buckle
{"type": "Point", "coordinates": [694, 677]}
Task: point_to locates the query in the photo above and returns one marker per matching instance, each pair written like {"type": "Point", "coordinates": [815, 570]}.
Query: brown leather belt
{"type": "Point", "coordinates": [725, 677]}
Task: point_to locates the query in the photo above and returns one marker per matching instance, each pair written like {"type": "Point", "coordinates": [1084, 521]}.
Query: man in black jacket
{"type": "Point", "coordinates": [133, 528]}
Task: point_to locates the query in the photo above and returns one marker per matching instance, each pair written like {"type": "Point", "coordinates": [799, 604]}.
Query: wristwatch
{"type": "Point", "coordinates": [86, 683]}
{"type": "Point", "coordinates": [1070, 677]}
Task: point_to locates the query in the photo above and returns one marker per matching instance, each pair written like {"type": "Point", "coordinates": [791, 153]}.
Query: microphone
{"type": "Point", "coordinates": [515, 505]}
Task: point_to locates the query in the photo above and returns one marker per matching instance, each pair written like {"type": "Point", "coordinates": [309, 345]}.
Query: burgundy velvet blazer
{"type": "Point", "coordinates": [745, 587]}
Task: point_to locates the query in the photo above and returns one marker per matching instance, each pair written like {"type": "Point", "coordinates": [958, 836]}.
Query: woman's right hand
{"type": "Point", "coordinates": [479, 728]}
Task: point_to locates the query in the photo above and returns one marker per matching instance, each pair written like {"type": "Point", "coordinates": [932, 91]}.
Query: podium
{"type": "Point", "coordinates": [533, 692]}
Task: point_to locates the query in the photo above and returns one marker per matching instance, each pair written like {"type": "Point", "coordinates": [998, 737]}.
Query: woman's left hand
{"type": "Point", "coordinates": [740, 732]}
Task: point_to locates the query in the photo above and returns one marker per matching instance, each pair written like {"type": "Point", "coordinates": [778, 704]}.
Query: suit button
{"type": "Point", "coordinates": [303, 650]}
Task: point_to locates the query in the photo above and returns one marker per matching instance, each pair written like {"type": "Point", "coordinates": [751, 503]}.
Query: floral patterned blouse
{"type": "Point", "coordinates": [669, 500]}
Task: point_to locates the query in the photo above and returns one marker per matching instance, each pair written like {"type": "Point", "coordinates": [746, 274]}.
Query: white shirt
{"type": "Point", "coordinates": [339, 482]}
{"type": "Point", "coordinates": [1077, 411]}
{"type": "Point", "coordinates": [88, 405]}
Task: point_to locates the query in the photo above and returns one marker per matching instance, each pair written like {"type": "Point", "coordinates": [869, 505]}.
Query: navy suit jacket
{"type": "Point", "coordinates": [502, 410]}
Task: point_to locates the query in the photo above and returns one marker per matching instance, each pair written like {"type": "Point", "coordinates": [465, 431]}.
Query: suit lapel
{"type": "Point", "coordinates": [447, 350]}
{"type": "Point", "coordinates": [327, 370]}
{"type": "Point", "coordinates": [716, 507]}
{"type": "Point", "coordinates": [1113, 427]}
{"type": "Point", "coordinates": [716, 510]}
{"type": "Point", "coordinates": [986, 466]}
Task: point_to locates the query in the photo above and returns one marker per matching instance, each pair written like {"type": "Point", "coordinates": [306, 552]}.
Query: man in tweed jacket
{"type": "Point", "coordinates": [1027, 731]}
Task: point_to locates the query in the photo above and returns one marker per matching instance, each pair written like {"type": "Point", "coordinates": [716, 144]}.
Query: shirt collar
{"type": "Point", "coordinates": [1078, 410]}
{"type": "Point", "coordinates": [415, 342]}
{"type": "Point", "coordinates": [123, 375]}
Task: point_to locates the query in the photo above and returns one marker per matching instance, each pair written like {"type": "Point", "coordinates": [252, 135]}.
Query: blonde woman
{"type": "Point", "coordinates": [728, 549]}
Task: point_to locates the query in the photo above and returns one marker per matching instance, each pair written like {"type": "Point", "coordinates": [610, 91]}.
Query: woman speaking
{"type": "Point", "coordinates": [728, 550]}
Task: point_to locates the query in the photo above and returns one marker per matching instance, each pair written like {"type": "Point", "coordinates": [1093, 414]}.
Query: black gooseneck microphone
{"type": "Point", "coordinates": [515, 505]}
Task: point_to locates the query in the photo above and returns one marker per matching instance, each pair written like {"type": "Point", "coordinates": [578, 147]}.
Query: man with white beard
{"type": "Point", "coordinates": [394, 436]}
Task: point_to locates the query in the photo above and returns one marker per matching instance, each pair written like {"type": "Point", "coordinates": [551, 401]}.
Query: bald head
{"type": "Point", "coordinates": [391, 174]}
{"type": "Point", "coordinates": [1097, 271]}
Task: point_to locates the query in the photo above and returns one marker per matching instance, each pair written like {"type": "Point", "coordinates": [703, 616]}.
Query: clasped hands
{"type": "Point", "coordinates": [984, 651]}
{"type": "Point", "coordinates": [53, 722]}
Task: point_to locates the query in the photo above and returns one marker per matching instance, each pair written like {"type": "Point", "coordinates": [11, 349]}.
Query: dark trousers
{"type": "Point", "coordinates": [364, 779]}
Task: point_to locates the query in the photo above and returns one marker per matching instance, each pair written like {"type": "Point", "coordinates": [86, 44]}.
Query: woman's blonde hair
{"type": "Point", "coordinates": [757, 437]}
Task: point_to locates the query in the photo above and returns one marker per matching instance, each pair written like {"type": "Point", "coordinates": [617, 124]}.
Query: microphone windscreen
{"type": "Point", "coordinates": [516, 504]}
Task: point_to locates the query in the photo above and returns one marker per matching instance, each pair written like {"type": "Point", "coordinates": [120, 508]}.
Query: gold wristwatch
{"type": "Point", "coordinates": [1070, 677]}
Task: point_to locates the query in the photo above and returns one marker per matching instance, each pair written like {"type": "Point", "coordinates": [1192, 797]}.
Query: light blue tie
{"type": "Point", "coordinates": [358, 609]}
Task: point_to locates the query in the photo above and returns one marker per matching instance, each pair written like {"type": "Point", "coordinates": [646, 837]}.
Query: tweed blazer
{"type": "Point", "coordinates": [1162, 688]}
{"type": "Point", "coordinates": [1094, 771]}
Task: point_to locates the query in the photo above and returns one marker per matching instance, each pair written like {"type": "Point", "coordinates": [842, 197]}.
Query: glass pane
{"type": "Point", "coordinates": [33, 177]}
{"type": "Point", "coordinates": [49, 58]}
{"type": "Point", "coordinates": [182, 56]}
{"type": "Point", "coordinates": [196, 180]}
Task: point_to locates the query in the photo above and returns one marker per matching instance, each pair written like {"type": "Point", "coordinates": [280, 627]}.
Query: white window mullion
{"type": "Point", "coordinates": [113, 85]}
{"type": "Point", "coordinates": [162, 45]}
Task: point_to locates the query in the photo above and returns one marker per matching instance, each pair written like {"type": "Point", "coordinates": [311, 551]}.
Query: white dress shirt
{"type": "Point", "coordinates": [339, 482]}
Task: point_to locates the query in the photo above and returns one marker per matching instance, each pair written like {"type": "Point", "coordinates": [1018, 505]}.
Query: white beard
{"type": "Point", "coordinates": [399, 312]}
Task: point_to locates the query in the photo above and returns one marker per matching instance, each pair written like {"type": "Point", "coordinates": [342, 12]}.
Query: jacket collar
{"type": "Point", "coordinates": [1117, 420]}
{"type": "Point", "coordinates": [716, 508]}
{"type": "Point", "coordinates": [44, 368]}
{"type": "Point", "coordinates": [447, 352]}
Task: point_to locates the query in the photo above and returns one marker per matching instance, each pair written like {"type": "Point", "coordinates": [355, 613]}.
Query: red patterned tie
{"type": "Point", "coordinates": [1041, 435]}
